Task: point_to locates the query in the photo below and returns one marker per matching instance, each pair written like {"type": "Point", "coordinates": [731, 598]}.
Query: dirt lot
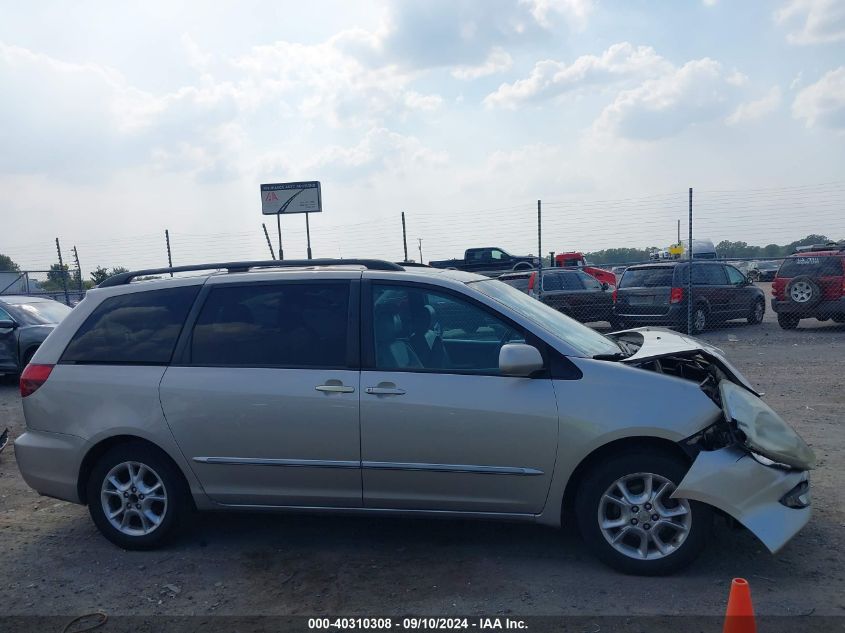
{"type": "Point", "coordinates": [55, 563]}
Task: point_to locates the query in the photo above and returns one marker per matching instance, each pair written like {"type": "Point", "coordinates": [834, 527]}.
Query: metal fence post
{"type": "Point", "coordinates": [269, 244]}
{"type": "Point", "coordinates": [404, 237]}
{"type": "Point", "coordinates": [62, 272]}
{"type": "Point", "coordinates": [167, 240]}
{"type": "Point", "coordinates": [689, 279]}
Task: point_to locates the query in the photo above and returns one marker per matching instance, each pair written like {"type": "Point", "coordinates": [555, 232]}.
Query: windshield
{"type": "Point", "coordinates": [41, 312]}
{"type": "Point", "coordinates": [586, 341]}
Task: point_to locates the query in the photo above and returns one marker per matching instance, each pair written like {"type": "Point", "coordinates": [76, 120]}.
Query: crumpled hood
{"type": "Point", "coordinates": [655, 343]}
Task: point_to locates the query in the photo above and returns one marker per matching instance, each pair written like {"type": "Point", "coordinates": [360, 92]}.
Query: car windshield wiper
{"type": "Point", "coordinates": [613, 356]}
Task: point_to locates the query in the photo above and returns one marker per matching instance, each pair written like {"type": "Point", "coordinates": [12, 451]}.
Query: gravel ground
{"type": "Point", "coordinates": [55, 563]}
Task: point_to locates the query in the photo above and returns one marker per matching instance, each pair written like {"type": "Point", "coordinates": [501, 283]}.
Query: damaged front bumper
{"type": "Point", "coordinates": [772, 502]}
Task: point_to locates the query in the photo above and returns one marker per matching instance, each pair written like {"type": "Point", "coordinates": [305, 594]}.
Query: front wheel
{"type": "Point", "coordinates": [628, 519]}
{"type": "Point", "coordinates": [136, 496]}
{"type": "Point", "coordinates": [788, 321]}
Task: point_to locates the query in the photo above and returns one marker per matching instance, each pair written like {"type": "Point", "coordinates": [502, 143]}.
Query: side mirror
{"type": "Point", "coordinates": [7, 324]}
{"type": "Point", "coordinates": [519, 359]}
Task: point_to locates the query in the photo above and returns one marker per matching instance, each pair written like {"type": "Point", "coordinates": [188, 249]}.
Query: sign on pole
{"type": "Point", "coordinates": [291, 197]}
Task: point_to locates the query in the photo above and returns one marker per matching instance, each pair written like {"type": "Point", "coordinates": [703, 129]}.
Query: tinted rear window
{"type": "Point", "coordinates": [812, 266]}
{"type": "Point", "coordinates": [520, 283]}
{"type": "Point", "coordinates": [282, 325]}
{"type": "Point", "coordinates": [647, 277]}
{"type": "Point", "coordinates": [139, 328]}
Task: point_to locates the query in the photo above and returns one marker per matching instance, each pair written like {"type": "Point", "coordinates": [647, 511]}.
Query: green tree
{"type": "Point", "coordinates": [100, 274]}
{"type": "Point", "coordinates": [57, 277]}
{"type": "Point", "coordinates": [6, 263]}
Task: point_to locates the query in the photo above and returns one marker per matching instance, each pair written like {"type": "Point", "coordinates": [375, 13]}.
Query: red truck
{"type": "Point", "coordinates": [576, 260]}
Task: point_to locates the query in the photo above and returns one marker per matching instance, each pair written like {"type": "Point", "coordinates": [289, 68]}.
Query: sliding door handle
{"type": "Point", "coordinates": [385, 391]}
{"type": "Point", "coordinates": [335, 389]}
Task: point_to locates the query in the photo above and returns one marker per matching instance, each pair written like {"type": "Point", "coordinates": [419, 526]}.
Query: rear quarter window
{"type": "Point", "coordinates": [813, 266]}
{"type": "Point", "coordinates": [140, 328]}
{"type": "Point", "coordinates": [647, 277]}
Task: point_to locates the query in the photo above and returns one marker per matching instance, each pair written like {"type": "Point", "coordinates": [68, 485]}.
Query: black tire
{"type": "Point", "coordinates": [758, 311]}
{"type": "Point", "coordinates": [788, 321]}
{"type": "Point", "coordinates": [174, 513]}
{"type": "Point", "coordinates": [523, 266]}
{"type": "Point", "coordinates": [839, 318]}
{"type": "Point", "coordinates": [700, 318]}
{"type": "Point", "coordinates": [597, 480]}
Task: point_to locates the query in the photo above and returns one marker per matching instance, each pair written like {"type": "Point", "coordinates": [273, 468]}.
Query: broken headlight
{"type": "Point", "coordinates": [765, 431]}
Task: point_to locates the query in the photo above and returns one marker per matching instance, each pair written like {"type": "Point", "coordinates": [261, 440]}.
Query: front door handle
{"type": "Point", "coordinates": [335, 388]}
{"type": "Point", "coordinates": [385, 391]}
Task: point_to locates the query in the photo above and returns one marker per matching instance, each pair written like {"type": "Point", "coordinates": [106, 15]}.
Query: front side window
{"type": "Point", "coordinates": [273, 325]}
{"type": "Point", "coordinates": [734, 276]}
{"type": "Point", "coordinates": [590, 282]}
{"type": "Point", "coordinates": [496, 254]}
{"type": "Point", "coordinates": [421, 329]}
{"type": "Point", "coordinates": [140, 328]}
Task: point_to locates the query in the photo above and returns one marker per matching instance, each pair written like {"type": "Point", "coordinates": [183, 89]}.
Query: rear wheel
{"type": "Point", "coordinates": [628, 519]}
{"type": "Point", "coordinates": [699, 319]}
{"type": "Point", "coordinates": [788, 321]}
{"type": "Point", "coordinates": [136, 496]}
{"type": "Point", "coordinates": [758, 310]}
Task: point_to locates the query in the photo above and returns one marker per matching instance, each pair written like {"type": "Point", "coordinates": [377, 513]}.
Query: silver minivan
{"type": "Point", "coordinates": [360, 386]}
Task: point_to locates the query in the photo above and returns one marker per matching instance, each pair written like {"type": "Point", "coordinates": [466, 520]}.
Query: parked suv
{"type": "Point", "coordinates": [811, 284]}
{"type": "Point", "coordinates": [573, 292]}
{"type": "Point", "coordinates": [658, 294]}
{"type": "Point", "coordinates": [359, 386]}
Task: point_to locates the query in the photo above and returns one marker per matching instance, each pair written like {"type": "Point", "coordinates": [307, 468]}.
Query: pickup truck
{"type": "Point", "coordinates": [489, 259]}
{"type": "Point", "coordinates": [577, 260]}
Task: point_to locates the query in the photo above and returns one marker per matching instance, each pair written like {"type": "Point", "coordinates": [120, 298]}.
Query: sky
{"type": "Point", "coordinates": [121, 120]}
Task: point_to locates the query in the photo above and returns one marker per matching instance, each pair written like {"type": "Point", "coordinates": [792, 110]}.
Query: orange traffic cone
{"type": "Point", "coordinates": [739, 618]}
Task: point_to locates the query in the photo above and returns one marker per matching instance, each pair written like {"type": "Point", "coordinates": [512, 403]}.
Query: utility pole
{"type": "Point", "coordinates": [679, 232]}
{"type": "Point", "coordinates": [78, 269]}
{"type": "Point", "coordinates": [267, 237]}
{"type": "Point", "coordinates": [405, 238]}
{"type": "Point", "coordinates": [62, 272]}
{"type": "Point", "coordinates": [419, 240]}
{"type": "Point", "coordinates": [167, 241]}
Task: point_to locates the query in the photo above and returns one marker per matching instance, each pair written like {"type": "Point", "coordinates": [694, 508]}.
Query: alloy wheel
{"type": "Point", "coordinates": [639, 519]}
{"type": "Point", "coordinates": [133, 498]}
{"type": "Point", "coordinates": [801, 292]}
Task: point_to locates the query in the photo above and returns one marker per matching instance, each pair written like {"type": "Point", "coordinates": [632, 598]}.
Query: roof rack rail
{"type": "Point", "coordinates": [830, 246]}
{"type": "Point", "coordinates": [241, 267]}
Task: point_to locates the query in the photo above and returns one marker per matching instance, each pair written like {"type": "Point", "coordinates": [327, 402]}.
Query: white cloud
{"type": "Point", "coordinates": [576, 12]}
{"type": "Point", "coordinates": [550, 78]}
{"type": "Point", "coordinates": [822, 104]}
{"type": "Point", "coordinates": [697, 92]}
{"type": "Point", "coordinates": [756, 109]}
{"type": "Point", "coordinates": [813, 21]}
{"type": "Point", "coordinates": [497, 61]}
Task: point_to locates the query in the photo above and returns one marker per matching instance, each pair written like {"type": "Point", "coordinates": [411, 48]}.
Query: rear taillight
{"type": "Point", "coordinates": [614, 295]}
{"type": "Point", "coordinates": [532, 280]}
{"type": "Point", "coordinates": [677, 295]}
{"type": "Point", "coordinates": [33, 377]}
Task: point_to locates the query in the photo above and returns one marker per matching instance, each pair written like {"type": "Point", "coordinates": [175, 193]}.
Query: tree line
{"type": "Point", "coordinates": [724, 249]}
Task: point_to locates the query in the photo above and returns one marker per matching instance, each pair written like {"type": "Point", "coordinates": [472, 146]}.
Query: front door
{"type": "Point", "coordinates": [264, 400]}
{"type": "Point", "coordinates": [441, 429]}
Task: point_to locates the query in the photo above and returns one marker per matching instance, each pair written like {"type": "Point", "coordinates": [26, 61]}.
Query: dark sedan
{"type": "Point", "coordinates": [573, 292]}
{"type": "Point", "coordinates": [24, 324]}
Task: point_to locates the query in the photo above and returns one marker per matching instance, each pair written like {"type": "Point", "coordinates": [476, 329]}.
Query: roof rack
{"type": "Point", "coordinates": [830, 246]}
{"type": "Point", "coordinates": [242, 267]}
